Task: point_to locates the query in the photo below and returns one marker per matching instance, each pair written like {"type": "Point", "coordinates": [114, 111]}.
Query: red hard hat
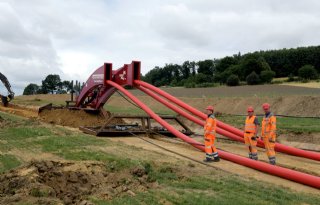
{"type": "Point", "coordinates": [265, 106]}
{"type": "Point", "coordinates": [209, 108]}
{"type": "Point", "coordinates": [250, 109]}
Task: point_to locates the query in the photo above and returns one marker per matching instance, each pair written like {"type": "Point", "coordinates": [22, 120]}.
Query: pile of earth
{"type": "Point", "coordinates": [54, 182]}
{"type": "Point", "coordinates": [75, 118]}
{"type": "Point", "coordinates": [24, 111]}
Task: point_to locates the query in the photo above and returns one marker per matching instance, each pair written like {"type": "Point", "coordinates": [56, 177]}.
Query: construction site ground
{"type": "Point", "coordinates": [51, 177]}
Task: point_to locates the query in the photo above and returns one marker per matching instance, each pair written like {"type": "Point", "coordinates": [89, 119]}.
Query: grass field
{"type": "Point", "coordinates": [311, 84]}
{"type": "Point", "coordinates": [284, 124]}
{"type": "Point", "coordinates": [119, 105]}
{"type": "Point", "coordinates": [178, 184]}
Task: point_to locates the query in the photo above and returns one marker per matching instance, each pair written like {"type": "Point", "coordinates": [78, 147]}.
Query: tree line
{"type": "Point", "coordinates": [252, 68]}
{"type": "Point", "coordinates": [54, 85]}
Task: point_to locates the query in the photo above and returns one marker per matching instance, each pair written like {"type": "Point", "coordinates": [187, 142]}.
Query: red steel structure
{"type": "Point", "coordinates": [104, 82]}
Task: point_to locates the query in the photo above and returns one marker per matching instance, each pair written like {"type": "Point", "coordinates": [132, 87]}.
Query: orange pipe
{"type": "Point", "coordinates": [278, 147]}
{"type": "Point", "coordinates": [296, 176]}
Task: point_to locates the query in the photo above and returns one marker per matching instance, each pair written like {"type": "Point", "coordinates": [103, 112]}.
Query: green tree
{"type": "Point", "coordinates": [308, 72]}
{"type": "Point", "coordinates": [253, 78]}
{"type": "Point", "coordinates": [186, 69]}
{"type": "Point", "coordinates": [223, 77]}
{"type": "Point", "coordinates": [66, 85]}
{"type": "Point", "coordinates": [253, 63]}
{"type": "Point", "coordinates": [51, 83]}
{"type": "Point", "coordinates": [226, 62]}
{"type": "Point", "coordinates": [31, 89]}
{"type": "Point", "coordinates": [233, 80]}
{"type": "Point", "coordinates": [202, 78]}
{"type": "Point", "coordinates": [266, 76]}
{"type": "Point", "coordinates": [206, 67]}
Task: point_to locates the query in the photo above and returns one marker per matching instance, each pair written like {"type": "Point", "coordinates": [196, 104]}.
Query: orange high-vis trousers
{"type": "Point", "coordinates": [210, 149]}
{"type": "Point", "coordinates": [250, 143]}
{"type": "Point", "coordinates": [269, 145]}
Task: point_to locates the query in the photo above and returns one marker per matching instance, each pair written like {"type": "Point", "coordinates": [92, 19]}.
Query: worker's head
{"type": "Point", "coordinates": [266, 107]}
{"type": "Point", "coordinates": [250, 110]}
{"type": "Point", "coordinates": [209, 109]}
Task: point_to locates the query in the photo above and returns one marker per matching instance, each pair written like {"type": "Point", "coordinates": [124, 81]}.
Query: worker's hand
{"type": "Point", "coordinates": [254, 137]}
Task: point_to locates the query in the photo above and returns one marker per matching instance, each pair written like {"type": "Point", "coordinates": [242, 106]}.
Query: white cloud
{"type": "Point", "coordinates": [72, 38]}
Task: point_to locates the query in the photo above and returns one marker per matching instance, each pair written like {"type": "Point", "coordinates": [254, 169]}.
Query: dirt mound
{"type": "Point", "coordinates": [74, 118]}
{"type": "Point", "coordinates": [52, 182]}
{"type": "Point", "coordinates": [20, 110]}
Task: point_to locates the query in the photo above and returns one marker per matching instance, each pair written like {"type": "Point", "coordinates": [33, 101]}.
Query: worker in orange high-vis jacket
{"type": "Point", "coordinates": [268, 132]}
{"type": "Point", "coordinates": [250, 134]}
{"type": "Point", "coordinates": [209, 136]}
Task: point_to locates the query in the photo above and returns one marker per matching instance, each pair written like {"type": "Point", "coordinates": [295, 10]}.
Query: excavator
{"type": "Point", "coordinates": [6, 99]}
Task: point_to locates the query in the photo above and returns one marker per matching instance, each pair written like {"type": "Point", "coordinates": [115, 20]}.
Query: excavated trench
{"type": "Point", "coordinates": [70, 182]}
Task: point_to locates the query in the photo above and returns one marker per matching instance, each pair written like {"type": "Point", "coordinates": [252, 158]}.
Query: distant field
{"type": "Point", "coordinates": [274, 90]}
{"type": "Point", "coordinates": [240, 91]}
{"type": "Point", "coordinates": [284, 99]}
{"type": "Point", "coordinates": [306, 85]}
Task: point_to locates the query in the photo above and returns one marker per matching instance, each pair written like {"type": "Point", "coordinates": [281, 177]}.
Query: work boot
{"type": "Point", "coordinates": [216, 159]}
{"type": "Point", "coordinates": [208, 159]}
{"type": "Point", "coordinates": [250, 155]}
{"type": "Point", "coordinates": [272, 160]}
{"type": "Point", "coordinates": [254, 156]}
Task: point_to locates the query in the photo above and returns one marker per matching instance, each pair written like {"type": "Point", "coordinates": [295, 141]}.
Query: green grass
{"type": "Point", "coordinates": [174, 188]}
{"type": "Point", "coordinates": [21, 137]}
{"type": "Point", "coordinates": [113, 162]}
{"type": "Point", "coordinates": [37, 101]}
{"type": "Point", "coordinates": [12, 118]}
{"type": "Point", "coordinates": [284, 124]}
{"type": "Point", "coordinates": [299, 125]}
{"type": "Point", "coordinates": [215, 190]}
{"type": "Point", "coordinates": [62, 143]}
{"type": "Point", "coordinates": [8, 162]}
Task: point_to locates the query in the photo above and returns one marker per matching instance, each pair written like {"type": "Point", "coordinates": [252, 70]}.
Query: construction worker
{"type": "Point", "coordinates": [209, 136]}
{"type": "Point", "coordinates": [268, 133]}
{"type": "Point", "coordinates": [250, 133]}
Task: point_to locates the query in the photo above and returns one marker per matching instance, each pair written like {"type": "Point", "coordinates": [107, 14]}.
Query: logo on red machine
{"type": "Point", "coordinates": [97, 78]}
{"type": "Point", "coordinates": [123, 75]}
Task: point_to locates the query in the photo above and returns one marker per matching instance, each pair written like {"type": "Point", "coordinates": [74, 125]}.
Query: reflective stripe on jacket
{"type": "Point", "coordinates": [250, 126]}
{"type": "Point", "coordinates": [210, 126]}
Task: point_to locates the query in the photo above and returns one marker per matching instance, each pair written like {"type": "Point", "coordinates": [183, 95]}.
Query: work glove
{"type": "Point", "coordinates": [255, 137]}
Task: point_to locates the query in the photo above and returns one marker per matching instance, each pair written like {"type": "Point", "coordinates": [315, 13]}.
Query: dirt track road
{"type": "Point", "coordinates": [189, 151]}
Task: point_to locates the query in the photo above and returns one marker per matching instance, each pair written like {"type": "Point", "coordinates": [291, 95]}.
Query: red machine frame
{"type": "Point", "coordinates": [104, 82]}
{"type": "Point", "coordinates": [96, 91]}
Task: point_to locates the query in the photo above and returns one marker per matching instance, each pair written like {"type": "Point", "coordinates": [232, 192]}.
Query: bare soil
{"type": "Point", "coordinates": [52, 182]}
{"type": "Point", "coordinates": [24, 111]}
{"type": "Point", "coordinates": [74, 118]}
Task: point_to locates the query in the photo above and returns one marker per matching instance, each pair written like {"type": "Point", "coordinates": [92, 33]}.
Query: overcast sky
{"type": "Point", "coordinates": [74, 37]}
